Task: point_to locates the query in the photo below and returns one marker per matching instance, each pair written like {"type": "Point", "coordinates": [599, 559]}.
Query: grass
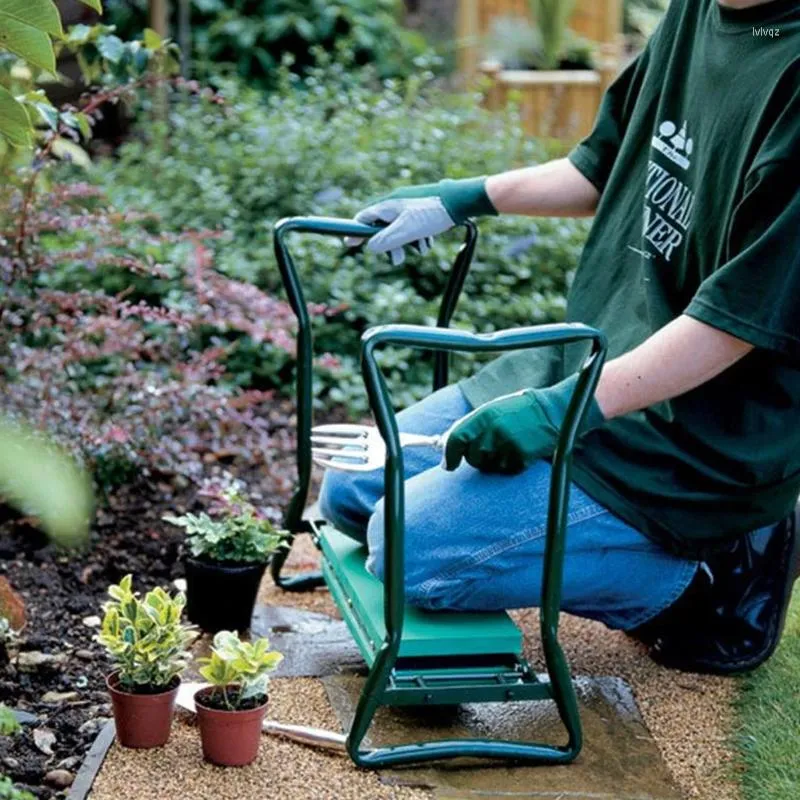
{"type": "Point", "coordinates": [769, 720]}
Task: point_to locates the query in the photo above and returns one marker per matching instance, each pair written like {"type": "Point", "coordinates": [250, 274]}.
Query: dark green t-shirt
{"type": "Point", "coordinates": [696, 154]}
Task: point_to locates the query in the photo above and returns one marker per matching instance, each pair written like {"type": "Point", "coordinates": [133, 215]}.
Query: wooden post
{"type": "Point", "coordinates": [159, 17]}
{"type": "Point", "coordinates": [467, 34]}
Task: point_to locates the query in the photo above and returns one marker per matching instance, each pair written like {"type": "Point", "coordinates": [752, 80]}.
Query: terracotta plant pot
{"type": "Point", "coordinates": [142, 720]}
{"type": "Point", "coordinates": [220, 595]}
{"type": "Point", "coordinates": [229, 738]}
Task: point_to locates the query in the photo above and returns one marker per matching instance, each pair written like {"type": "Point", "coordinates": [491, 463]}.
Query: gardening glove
{"type": "Point", "coordinates": [415, 214]}
{"type": "Point", "coordinates": [508, 434]}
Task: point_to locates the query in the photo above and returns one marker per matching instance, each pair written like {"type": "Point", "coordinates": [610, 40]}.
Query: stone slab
{"type": "Point", "coordinates": [313, 644]}
{"type": "Point", "coordinates": [619, 761]}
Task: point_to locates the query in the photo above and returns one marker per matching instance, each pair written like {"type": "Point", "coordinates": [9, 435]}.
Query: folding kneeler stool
{"type": "Point", "coordinates": [418, 657]}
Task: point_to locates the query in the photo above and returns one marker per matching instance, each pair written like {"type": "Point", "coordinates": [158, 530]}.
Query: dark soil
{"type": "Point", "coordinates": [60, 591]}
{"type": "Point", "coordinates": [214, 699]}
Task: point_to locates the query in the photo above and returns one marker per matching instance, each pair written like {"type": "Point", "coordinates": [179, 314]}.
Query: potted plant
{"type": "Point", "coordinates": [149, 646]}
{"type": "Point", "coordinates": [554, 58]}
{"type": "Point", "coordinates": [227, 558]}
{"type": "Point", "coordinates": [231, 711]}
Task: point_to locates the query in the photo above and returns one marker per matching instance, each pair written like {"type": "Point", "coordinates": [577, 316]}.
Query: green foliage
{"type": "Point", "coordinates": [239, 670]}
{"type": "Point", "coordinates": [43, 481]}
{"type": "Point", "coordinates": [8, 722]}
{"type": "Point", "coordinates": [642, 16]}
{"type": "Point", "coordinates": [9, 792]}
{"type": "Point", "coordinates": [254, 36]}
{"type": "Point", "coordinates": [517, 43]}
{"type": "Point", "coordinates": [27, 30]}
{"type": "Point", "coordinates": [768, 711]}
{"type": "Point", "coordinates": [145, 637]}
{"type": "Point", "coordinates": [551, 18]}
{"type": "Point", "coordinates": [242, 534]}
{"type": "Point", "coordinates": [327, 146]}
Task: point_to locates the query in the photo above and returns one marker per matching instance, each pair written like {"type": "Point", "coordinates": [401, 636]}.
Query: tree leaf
{"type": "Point", "coordinates": [30, 44]}
{"type": "Point", "coordinates": [14, 123]}
{"type": "Point", "coordinates": [40, 14]}
{"type": "Point", "coordinates": [94, 4]}
{"type": "Point", "coordinates": [152, 40]}
{"type": "Point", "coordinates": [111, 48]}
{"type": "Point", "coordinates": [69, 151]}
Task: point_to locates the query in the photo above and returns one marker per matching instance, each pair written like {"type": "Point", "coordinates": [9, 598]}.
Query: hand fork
{"type": "Point", "coordinates": [360, 448]}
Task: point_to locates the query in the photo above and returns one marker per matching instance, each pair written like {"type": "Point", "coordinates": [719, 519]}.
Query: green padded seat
{"type": "Point", "coordinates": [426, 634]}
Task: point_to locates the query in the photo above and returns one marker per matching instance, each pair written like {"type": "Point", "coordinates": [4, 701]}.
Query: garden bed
{"type": "Point", "coordinates": [58, 677]}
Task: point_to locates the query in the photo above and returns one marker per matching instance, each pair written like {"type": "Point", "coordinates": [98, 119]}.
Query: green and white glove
{"type": "Point", "coordinates": [415, 214]}
{"type": "Point", "coordinates": [508, 434]}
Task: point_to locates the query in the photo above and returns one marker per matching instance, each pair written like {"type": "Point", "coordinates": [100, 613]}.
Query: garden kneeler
{"type": "Point", "coordinates": [418, 657]}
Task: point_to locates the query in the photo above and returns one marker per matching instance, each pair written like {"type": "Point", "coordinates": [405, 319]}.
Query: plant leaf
{"type": "Point", "coordinates": [30, 44]}
{"type": "Point", "coordinates": [43, 481]}
{"type": "Point", "coordinates": [40, 14]}
{"type": "Point", "coordinates": [96, 5]}
{"type": "Point", "coordinates": [152, 40]}
{"type": "Point", "coordinates": [15, 127]}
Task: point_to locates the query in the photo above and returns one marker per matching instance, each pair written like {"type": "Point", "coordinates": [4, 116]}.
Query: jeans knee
{"type": "Point", "coordinates": [340, 503]}
{"type": "Point", "coordinates": [420, 564]}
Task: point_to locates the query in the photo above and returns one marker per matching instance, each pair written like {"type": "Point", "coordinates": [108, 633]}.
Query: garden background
{"type": "Point", "coordinates": [143, 322]}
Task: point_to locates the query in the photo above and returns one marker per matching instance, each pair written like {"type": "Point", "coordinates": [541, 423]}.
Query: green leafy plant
{"type": "Point", "coordinates": [641, 18]}
{"type": "Point", "coordinates": [240, 166]}
{"type": "Point", "coordinates": [551, 18]}
{"type": "Point", "coordinates": [518, 43]}
{"type": "Point", "coordinates": [9, 724]}
{"type": "Point", "coordinates": [9, 792]}
{"type": "Point", "coordinates": [239, 671]}
{"type": "Point", "coordinates": [39, 479]}
{"type": "Point", "coordinates": [241, 534]}
{"type": "Point", "coordinates": [27, 30]}
{"type": "Point", "coordinates": [254, 37]}
{"type": "Point", "coordinates": [145, 637]}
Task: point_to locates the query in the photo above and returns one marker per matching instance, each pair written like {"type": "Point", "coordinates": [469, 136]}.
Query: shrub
{"type": "Point", "coordinates": [145, 637]}
{"type": "Point", "coordinates": [238, 671]}
{"type": "Point", "coordinates": [115, 333]}
{"type": "Point", "coordinates": [327, 147]}
{"type": "Point", "coordinates": [254, 36]}
{"type": "Point", "coordinates": [243, 533]}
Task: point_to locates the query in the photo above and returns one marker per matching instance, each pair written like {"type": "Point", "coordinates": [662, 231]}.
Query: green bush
{"type": "Point", "coordinates": [326, 147]}
{"type": "Point", "coordinates": [254, 36]}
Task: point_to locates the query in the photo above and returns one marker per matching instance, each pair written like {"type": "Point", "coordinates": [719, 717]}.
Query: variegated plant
{"type": "Point", "coordinates": [239, 670]}
{"type": "Point", "coordinates": [145, 636]}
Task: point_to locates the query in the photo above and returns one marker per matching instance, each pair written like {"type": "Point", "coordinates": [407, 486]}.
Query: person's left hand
{"type": "Point", "coordinates": [508, 434]}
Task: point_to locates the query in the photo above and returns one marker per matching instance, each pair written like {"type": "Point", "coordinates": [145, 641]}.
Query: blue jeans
{"type": "Point", "coordinates": [475, 541]}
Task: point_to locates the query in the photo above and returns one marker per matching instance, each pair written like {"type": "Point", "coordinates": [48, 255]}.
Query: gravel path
{"type": "Point", "coordinates": [689, 716]}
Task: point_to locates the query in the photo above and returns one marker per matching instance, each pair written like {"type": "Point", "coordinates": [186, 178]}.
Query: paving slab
{"type": "Point", "coordinates": [312, 644]}
{"type": "Point", "coordinates": [619, 761]}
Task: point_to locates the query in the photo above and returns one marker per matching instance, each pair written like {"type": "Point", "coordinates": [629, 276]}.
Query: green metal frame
{"type": "Point", "coordinates": [395, 679]}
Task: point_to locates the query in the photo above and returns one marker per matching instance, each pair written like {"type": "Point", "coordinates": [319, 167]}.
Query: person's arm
{"type": "Point", "coordinates": [508, 434]}
{"type": "Point", "coordinates": [555, 189]}
{"type": "Point", "coordinates": [676, 359]}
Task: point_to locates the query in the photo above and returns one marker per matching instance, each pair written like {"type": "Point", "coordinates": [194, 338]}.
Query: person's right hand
{"type": "Point", "coordinates": [415, 214]}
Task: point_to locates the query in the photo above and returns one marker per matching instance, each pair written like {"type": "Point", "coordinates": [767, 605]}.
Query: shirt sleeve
{"type": "Point", "coordinates": [755, 294]}
{"type": "Point", "coordinates": [595, 155]}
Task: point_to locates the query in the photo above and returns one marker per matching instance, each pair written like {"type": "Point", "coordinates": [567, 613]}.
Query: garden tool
{"type": "Point", "coordinates": [360, 448]}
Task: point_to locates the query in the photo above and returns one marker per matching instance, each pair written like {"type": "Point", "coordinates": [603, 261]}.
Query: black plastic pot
{"type": "Point", "coordinates": [220, 595]}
